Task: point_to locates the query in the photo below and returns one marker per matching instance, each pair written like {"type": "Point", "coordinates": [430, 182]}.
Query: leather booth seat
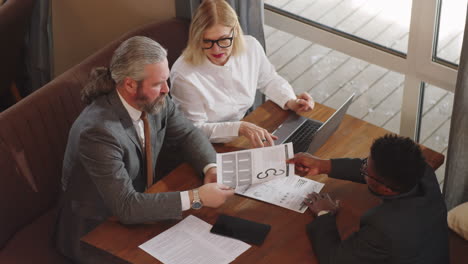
{"type": "Point", "coordinates": [33, 137]}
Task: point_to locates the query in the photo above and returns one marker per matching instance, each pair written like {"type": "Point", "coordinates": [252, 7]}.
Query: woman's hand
{"type": "Point", "coordinates": [258, 137]}
{"type": "Point", "coordinates": [302, 103]}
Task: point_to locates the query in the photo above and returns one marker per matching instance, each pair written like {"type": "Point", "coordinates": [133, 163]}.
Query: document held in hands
{"type": "Point", "coordinates": [263, 174]}
{"type": "Point", "coordinates": [240, 169]}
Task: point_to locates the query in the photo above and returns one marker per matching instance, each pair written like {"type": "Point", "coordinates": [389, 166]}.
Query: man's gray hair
{"type": "Point", "coordinates": [129, 60]}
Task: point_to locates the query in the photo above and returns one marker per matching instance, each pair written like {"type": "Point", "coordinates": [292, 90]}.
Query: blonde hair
{"type": "Point", "coordinates": [208, 14]}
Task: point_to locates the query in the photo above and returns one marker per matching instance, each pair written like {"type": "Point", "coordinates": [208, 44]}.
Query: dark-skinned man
{"type": "Point", "coordinates": [410, 226]}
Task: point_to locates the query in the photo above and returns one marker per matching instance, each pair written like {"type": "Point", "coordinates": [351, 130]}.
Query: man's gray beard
{"type": "Point", "coordinates": [153, 107]}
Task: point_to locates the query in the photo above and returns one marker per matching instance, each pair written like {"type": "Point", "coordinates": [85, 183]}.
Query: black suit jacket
{"type": "Point", "coordinates": [408, 228]}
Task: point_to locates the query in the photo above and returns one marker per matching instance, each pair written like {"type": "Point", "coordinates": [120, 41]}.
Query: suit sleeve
{"type": "Point", "coordinates": [194, 144]}
{"type": "Point", "coordinates": [365, 246]}
{"type": "Point", "coordinates": [102, 157]}
{"type": "Point", "coordinates": [347, 169]}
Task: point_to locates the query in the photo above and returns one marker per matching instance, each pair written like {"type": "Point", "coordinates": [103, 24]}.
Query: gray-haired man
{"type": "Point", "coordinates": [104, 169]}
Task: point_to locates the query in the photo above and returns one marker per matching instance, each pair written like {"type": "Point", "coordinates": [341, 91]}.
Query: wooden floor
{"type": "Point", "coordinates": [330, 76]}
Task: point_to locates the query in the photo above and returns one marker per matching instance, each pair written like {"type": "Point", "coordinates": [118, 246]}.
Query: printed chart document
{"type": "Point", "coordinates": [286, 192]}
{"type": "Point", "coordinates": [263, 174]}
{"type": "Point", "coordinates": [191, 242]}
{"type": "Point", "coordinates": [240, 169]}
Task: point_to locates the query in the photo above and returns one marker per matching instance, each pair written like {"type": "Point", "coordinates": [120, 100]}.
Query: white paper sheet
{"type": "Point", "coordinates": [246, 167]}
{"type": "Point", "coordinates": [190, 242]}
{"type": "Point", "coordinates": [285, 192]}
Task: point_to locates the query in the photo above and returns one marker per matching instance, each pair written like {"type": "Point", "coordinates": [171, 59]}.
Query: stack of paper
{"type": "Point", "coordinates": [190, 241]}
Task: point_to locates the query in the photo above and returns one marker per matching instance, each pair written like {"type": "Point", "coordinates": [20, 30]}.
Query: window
{"type": "Point", "coordinates": [435, 121]}
{"type": "Point", "coordinates": [384, 49]}
{"type": "Point", "coordinates": [382, 23]}
{"type": "Point", "coordinates": [451, 26]}
{"type": "Point", "coordinates": [331, 77]}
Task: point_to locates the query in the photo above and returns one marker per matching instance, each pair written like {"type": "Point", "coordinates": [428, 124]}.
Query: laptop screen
{"type": "Point", "coordinates": [329, 127]}
{"type": "Point", "coordinates": [308, 135]}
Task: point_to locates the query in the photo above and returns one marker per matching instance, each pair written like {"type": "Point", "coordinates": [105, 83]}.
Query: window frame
{"type": "Point", "coordinates": [419, 65]}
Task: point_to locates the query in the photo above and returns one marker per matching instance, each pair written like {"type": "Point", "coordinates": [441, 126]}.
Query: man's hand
{"type": "Point", "coordinates": [321, 202]}
{"type": "Point", "coordinates": [258, 137]}
{"type": "Point", "coordinates": [308, 165]}
{"type": "Point", "coordinates": [214, 194]}
{"type": "Point", "coordinates": [210, 175]}
{"type": "Point", "coordinates": [302, 103]}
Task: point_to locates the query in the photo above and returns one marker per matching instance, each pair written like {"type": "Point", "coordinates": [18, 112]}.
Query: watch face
{"type": "Point", "coordinates": [197, 205]}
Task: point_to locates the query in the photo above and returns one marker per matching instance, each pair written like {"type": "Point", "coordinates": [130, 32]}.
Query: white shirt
{"type": "Point", "coordinates": [216, 97]}
{"type": "Point", "coordinates": [135, 115]}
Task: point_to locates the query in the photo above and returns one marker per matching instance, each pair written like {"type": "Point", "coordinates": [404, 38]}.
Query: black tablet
{"type": "Point", "coordinates": [248, 231]}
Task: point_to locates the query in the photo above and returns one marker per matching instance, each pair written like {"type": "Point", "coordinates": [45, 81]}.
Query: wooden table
{"type": "Point", "coordinates": [287, 241]}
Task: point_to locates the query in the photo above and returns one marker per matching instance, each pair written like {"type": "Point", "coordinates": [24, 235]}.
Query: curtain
{"type": "Point", "coordinates": [38, 47]}
{"type": "Point", "coordinates": [12, 28]}
{"type": "Point", "coordinates": [456, 172]}
{"type": "Point", "coordinates": [250, 13]}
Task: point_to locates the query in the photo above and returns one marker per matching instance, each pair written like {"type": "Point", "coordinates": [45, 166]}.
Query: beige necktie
{"type": "Point", "coordinates": [148, 153]}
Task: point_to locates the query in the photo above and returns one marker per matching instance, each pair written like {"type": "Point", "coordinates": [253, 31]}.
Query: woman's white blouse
{"type": "Point", "coordinates": [216, 97]}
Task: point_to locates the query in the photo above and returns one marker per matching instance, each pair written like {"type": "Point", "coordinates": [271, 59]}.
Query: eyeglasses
{"type": "Point", "coordinates": [222, 43]}
{"type": "Point", "coordinates": [365, 173]}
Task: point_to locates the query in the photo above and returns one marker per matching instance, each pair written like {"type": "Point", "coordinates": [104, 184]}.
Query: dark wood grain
{"type": "Point", "coordinates": [287, 241]}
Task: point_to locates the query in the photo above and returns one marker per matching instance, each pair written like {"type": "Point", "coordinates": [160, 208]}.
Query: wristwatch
{"type": "Point", "coordinates": [196, 203]}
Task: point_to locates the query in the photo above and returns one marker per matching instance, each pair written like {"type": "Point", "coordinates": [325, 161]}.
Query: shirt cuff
{"type": "Point", "coordinates": [220, 132]}
{"type": "Point", "coordinates": [283, 97]}
{"type": "Point", "coordinates": [185, 199]}
{"type": "Point", "coordinates": [282, 103]}
{"type": "Point", "coordinates": [208, 166]}
{"type": "Point", "coordinates": [226, 129]}
{"type": "Point", "coordinates": [323, 212]}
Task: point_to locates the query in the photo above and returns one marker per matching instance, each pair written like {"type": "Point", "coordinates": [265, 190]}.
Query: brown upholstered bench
{"type": "Point", "coordinates": [33, 137]}
{"type": "Point", "coordinates": [458, 249]}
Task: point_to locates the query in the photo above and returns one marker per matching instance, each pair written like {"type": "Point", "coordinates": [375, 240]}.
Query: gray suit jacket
{"type": "Point", "coordinates": [104, 169]}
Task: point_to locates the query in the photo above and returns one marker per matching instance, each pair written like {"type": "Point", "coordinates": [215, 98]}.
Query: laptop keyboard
{"type": "Point", "coordinates": [302, 137]}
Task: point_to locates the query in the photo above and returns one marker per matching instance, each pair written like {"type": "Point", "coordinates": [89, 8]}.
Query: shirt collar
{"type": "Point", "coordinates": [227, 65]}
{"type": "Point", "coordinates": [134, 113]}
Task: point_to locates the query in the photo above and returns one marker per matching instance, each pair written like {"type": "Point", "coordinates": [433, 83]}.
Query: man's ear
{"type": "Point", "coordinates": [130, 85]}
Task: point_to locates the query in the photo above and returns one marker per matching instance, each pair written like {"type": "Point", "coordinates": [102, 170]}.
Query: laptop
{"type": "Point", "coordinates": [308, 135]}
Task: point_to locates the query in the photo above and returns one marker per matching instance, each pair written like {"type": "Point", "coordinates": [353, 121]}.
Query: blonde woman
{"type": "Point", "coordinates": [215, 79]}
